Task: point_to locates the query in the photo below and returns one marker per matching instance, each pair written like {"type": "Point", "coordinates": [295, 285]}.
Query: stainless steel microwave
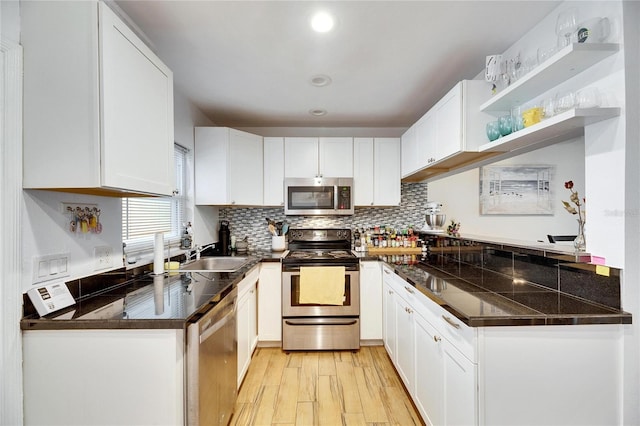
{"type": "Point", "coordinates": [318, 196]}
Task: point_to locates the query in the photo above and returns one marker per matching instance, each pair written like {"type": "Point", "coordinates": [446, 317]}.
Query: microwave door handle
{"type": "Point", "coordinates": [335, 197]}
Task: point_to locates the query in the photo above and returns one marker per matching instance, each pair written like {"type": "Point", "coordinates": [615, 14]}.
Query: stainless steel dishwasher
{"type": "Point", "coordinates": [212, 364]}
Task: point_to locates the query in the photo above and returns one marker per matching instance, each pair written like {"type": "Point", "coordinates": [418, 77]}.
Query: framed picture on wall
{"type": "Point", "coordinates": [516, 190]}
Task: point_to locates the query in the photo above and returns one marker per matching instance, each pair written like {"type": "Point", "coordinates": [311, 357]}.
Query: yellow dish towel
{"type": "Point", "coordinates": [322, 285]}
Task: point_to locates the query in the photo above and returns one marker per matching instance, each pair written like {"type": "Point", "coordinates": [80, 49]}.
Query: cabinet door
{"type": "Point", "coordinates": [426, 139]}
{"type": "Point", "coordinates": [336, 157]}
{"type": "Point", "coordinates": [242, 336]}
{"type": "Point", "coordinates": [210, 162]}
{"type": "Point", "coordinates": [252, 317]}
{"type": "Point", "coordinates": [409, 151]}
{"type": "Point", "coordinates": [429, 373]}
{"type": "Point", "coordinates": [389, 319]}
{"type": "Point", "coordinates": [405, 354]}
{"type": "Point", "coordinates": [273, 171]}
{"type": "Point", "coordinates": [363, 172]}
{"type": "Point", "coordinates": [449, 123]}
{"type": "Point", "coordinates": [270, 302]}
{"type": "Point", "coordinates": [460, 387]}
{"type": "Point", "coordinates": [386, 190]}
{"type": "Point", "coordinates": [244, 168]}
{"type": "Point", "coordinates": [300, 157]}
{"type": "Point", "coordinates": [137, 112]}
{"type": "Point", "coordinates": [370, 301]}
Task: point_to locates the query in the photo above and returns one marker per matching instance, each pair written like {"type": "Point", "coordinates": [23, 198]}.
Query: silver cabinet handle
{"type": "Point", "coordinates": [408, 310]}
{"type": "Point", "coordinates": [409, 289]}
{"type": "Point", "coordinates": [436, 339]}
{"type": "Point", "coordinates": [450, 322]}
{"type": "Point", "coordinates": [386, 271]}
{"type": "Point", "coordinates": [390, 292]}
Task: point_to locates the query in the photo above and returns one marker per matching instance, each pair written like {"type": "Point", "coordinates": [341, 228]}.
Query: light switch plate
{"type": "Point", "coordinates": [50, 267]}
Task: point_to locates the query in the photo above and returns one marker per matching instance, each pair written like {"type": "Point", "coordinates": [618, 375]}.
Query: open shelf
{"type": "Point", "coordinates": [569, 61]}
{"type": "Point", "coordinates": [566, 125]}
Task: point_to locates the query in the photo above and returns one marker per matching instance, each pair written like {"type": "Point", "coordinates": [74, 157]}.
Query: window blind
{"type": "Point", "coordinates": [143, 217]}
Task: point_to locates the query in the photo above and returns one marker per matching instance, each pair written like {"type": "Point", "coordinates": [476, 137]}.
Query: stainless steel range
{"type": "Point", "coordinates": [321, 291]}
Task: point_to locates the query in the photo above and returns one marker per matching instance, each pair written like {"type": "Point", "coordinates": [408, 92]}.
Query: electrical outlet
{"type": "Point", "coordinates": [103, 256]}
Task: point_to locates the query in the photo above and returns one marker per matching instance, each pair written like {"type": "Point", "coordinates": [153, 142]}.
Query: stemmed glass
{"type": "Point", "coordinates": [566, 25]}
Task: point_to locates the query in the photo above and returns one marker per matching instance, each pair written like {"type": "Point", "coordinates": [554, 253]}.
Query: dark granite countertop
{"type": "Point", "coordinates": [501, 301]}
{"type": "Point", "coordinates": [160, 302]}
{"type": "Point", "coordinates": [180, 297]}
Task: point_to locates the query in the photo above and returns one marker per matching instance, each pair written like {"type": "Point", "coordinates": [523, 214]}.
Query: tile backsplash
{"type": "Point", "coordinates": [251, 222]}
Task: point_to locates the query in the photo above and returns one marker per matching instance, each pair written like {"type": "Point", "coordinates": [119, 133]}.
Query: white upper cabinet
{"type": "Point", "coordinates": [98, 104]}
{"type": "Point", "coordinates": [336, 157]}
{"type": "Point", "coordinates": [409, 151]}
{"type": "Point", "coordinates": [449, 134]}
{"type": "Point", "coordinates": [376, 171]}
{"type": "Point", "coordinates": [228, 167]}
{"type": "Point", "coordinates": [273, 171]}
{"type": "Point", "coordinates": [386, 176]}
{"type": "Point", "coordinates": [363, 171]}
{"type": "Point", "coordinates": [311, 157]}
{"type": "Point", "coordinates": [448, 124]}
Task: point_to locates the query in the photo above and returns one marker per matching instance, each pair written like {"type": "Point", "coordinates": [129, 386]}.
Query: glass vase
{"type": "Point", "coordinates": [580, 242]}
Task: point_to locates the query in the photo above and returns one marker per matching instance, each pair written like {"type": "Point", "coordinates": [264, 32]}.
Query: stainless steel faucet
{"type": "Point", "coordinates": [199, 249]}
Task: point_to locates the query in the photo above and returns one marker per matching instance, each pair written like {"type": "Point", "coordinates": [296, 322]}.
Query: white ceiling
{"type": "Point", "coordinates": [249, 63]}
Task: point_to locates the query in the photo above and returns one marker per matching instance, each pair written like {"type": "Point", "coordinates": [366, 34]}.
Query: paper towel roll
{"type": "Point", "coordinates": [158, 253]}
{"type": "Point", "coordinates": [158, 294]}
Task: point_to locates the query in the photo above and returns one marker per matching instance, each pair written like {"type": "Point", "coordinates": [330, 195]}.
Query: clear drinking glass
{"type": "Point", "coordinates": [566, 25]}
{"type": "Point", "coordinates": [589, 97]}
{"type": "Point", "coordinates": [516, 118]}
{"type": "Point", "coordinates": [548, 107]}
{"type": "Point", "coordinates": [564, 101]}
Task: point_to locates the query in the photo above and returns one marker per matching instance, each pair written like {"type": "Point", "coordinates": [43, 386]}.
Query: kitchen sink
{"type": "Point", "coordinates": [215, 264]}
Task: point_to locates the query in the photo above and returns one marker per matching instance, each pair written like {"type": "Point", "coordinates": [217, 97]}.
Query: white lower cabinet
{"type": "Point", "coordinates": [270, 304]}
{"type": "Point", "coordinates": [460, 389]}
{"type": "Point", "coordinates": [510, 375]}
{"type": "Point", "coordinates": [104, 377]}
{"type": "Point", "coordinates": [389, 328]}
{"type": "Point", "coordinates": [246, 323]}
{"type": "Point", "coordinates": [370, 301]}
{"type": "Point", "coordinates": [405, 349]}
{"type": "Point", "coordinates": [429, 373]}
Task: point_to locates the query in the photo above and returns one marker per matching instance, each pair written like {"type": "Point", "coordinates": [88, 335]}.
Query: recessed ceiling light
{"type": "Point", "coordinates": [320, 80]}
{"type": "Point", "coordinates": [318, 112]}
{"type": "Point", "coordinates": [322, 22]}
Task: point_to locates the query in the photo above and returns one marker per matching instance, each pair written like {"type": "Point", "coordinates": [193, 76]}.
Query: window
{"type": "Point", "coordinates": [143, 217]}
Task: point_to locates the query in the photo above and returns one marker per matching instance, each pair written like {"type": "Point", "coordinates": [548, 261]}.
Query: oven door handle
{"type": "Point", "coordinates": [321, 321]}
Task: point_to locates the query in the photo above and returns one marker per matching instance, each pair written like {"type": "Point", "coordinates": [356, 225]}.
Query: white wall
{"type": "Point", "coordinates": [460, 197]}
{"type": "Point", "coordinates": [46, 231]}
{"type": "Point", "coordinates": [631, 216]}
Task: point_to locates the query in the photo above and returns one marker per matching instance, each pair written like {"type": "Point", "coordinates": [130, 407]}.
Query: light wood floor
{"type": "Point", "coordinates": [323, 388]}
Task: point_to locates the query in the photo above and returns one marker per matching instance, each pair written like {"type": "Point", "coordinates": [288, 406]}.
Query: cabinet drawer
{"type": "Point", "coordinates": [448, 326]}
